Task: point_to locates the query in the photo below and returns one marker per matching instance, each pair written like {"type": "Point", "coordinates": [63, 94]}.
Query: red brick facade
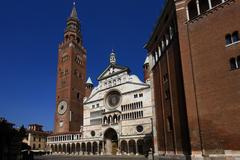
{"type": "Point", "coordinates": [201, 77]}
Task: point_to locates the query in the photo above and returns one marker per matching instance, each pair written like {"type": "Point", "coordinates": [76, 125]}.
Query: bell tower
{"type": "Point", "coordinates": [71, 78]}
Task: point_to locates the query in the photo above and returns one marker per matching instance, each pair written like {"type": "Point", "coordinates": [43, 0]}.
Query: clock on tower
{"type": "Point", "coordinates": [71, 77]}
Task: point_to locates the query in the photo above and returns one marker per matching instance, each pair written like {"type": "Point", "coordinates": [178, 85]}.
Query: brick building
{"type": "Point", "coordinates": [194, 61]}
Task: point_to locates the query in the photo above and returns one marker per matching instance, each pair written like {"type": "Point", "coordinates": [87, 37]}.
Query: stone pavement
{"type": "Point", "coordinates": [63, 157]}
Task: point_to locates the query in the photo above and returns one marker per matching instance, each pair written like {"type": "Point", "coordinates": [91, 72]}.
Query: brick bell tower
{"type": "Point", "coordinates": [71, 78]}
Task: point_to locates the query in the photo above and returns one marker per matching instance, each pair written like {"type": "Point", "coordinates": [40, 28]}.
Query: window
{"type": "Point", "coordinates": [34, 146]}
{"type": "Point", "coordinates": [93, 106]}
{"type": "Point", "coordinates": [235, 36]}
{"type": "Point", "coordinates": [228, 39]}
{"type": "Point", "coordinates": [141, 95]}
{"type": "Point", "coordinates": [170, 124]}
{"type": "Point", "coordinates": [39, 139]}
{"type": "Point", "coordinates": [203, 4]}
{"type": "Point", "coordinates": [216, 2]}
{"type": "Point", "coordinates": [93, 133]}
{"type": "Point", "coordinates": [98, 105]}
{"type": "Point", "coordinates": [135, 96]}
{"type": "Point", "coordinates": [34, 139]}
{"type": "Point", "coordinates": [167, 94]}
{"type": "Point", "coordinates": [39, 146]}
{"type": "Point", "coordinates": [192, 9]}
{"type": "Point", "coordinates": [78, 96]}
{"type": "Point", "coordinates": [233, 63]}
{"type": "Point", "coordinates": [139, 128]}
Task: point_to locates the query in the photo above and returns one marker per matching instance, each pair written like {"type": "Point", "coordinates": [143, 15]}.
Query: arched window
{"type": "Point", "coordinates": [204, 6]}
{"type": "Point", "coordinates": [192, 9]}
{"type": "Point", "coordinates": [235, 36]}
{"type": "Point", "coordinates": [216, 2]}
{"type": "Point", "coordinates": [233, 63]}
{"type": "Point", "coordinates": [228, 39]}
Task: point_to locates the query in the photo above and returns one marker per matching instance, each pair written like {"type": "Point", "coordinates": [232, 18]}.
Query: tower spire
{"type": "Point", "coordinates": [74, 11]}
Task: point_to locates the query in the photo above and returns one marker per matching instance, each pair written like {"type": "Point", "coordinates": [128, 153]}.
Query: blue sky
{"type": "Point", "coordinates": [30, 32]}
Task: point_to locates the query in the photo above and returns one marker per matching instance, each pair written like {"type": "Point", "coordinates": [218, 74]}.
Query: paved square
{"type": "Point", "coordinates": [63, 157]}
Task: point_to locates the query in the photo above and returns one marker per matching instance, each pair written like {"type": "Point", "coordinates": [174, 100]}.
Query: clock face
{"type": "Point", "coordinates": [62, 107]}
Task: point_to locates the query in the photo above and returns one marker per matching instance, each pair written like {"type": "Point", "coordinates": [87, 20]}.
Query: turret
{"type": "Point", "coordinates": [89, 87]}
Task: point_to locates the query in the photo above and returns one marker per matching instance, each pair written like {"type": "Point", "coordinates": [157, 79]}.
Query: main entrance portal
{"type": "Point", "coordinates": [111, 141]}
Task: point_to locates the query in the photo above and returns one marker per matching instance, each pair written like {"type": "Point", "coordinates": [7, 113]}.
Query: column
{"type": "Point", "coordinates": [128, 147]}
{"type": "Point", "coordinates": [81, 151]}
{"type": "Point", "coordinates": [198, 7]}
{"type": "Point", "coordinates": [119, 147]}
{"type": "Point", "coordinates": [210, 4]}
{"type": "Point", "coordinates": [136, 147]}
{"type": "Point", "coordinates": [187, 12]}
{"type": "Point", "coordinates": [97, 148]}
{"type": "Point", "coordinates": [91, 148]}
{"type": "Point", "coordinates": [66, 148]}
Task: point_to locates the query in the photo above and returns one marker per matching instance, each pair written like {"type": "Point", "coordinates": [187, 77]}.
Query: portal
{"type": "Point", "coordinates": [111, 141]}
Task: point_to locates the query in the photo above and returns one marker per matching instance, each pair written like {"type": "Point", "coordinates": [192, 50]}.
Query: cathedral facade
{"type": "Point", "coordinates": [118, 112]}
{"type": "Point", "coordinates": [113, 118]}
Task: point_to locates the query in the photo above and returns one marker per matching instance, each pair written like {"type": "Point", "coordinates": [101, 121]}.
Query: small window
{"type": "Point", "coordinates": [167, 94]}
{"type": "Point", "coordinates": [39, 146]}
{"type": "Point", "coordinates": [135, 96]}
{"type": "Point", "coordinates": [141, 95]}
{"type": "Point", "coordinates": [34, 146]}
{"type": "Point", "coordinates": [93, 133]}
{"type": "Point", "coordinates": [98, 105]}
{"type": "Point", "coordinates": [93, 106]}
{"type": "Point", "coordinates": [139, 128]}
{"type": "Point", "coordinates": [235, 36]}
{"type": "Point", "coordinates": [170, 124]}
{"type": "Point", "coordinates": [78, 96]}
{"type": "Point", "coordinates": [228, 39]}
{"type": "Point", "coordinates": [39, 139]}
{"type": "Point", "coordinates": [233, 63]}
{"type": "Point", "coordinates": [34, 139]}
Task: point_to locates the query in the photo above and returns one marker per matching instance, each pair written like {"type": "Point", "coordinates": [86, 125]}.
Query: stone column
{"type": "Point", "coordinates": [210, 4]}
{"type": "Point", "coordinates": [119, 147]}
{"type": "Point", "coordinates": [97, 148]}
{"type": "Point", "coordinates": [136, 147]}
{"type": "Point", "coordinates": [91, 148]}
{"type": "Point", "coordinates": [198, 7]}
{"type": "Point", "coordinates": [66, 148]}
{"type": "Point", "coordinates": [128, 147]}
{"type": "Point", "coordinates": [81, 151]}
{"type": "Point", "coordinates": [187, 12]}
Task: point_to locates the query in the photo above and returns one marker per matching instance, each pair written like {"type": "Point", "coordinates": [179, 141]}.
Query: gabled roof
{"type": "Point", "coordinates": [116, 69]}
